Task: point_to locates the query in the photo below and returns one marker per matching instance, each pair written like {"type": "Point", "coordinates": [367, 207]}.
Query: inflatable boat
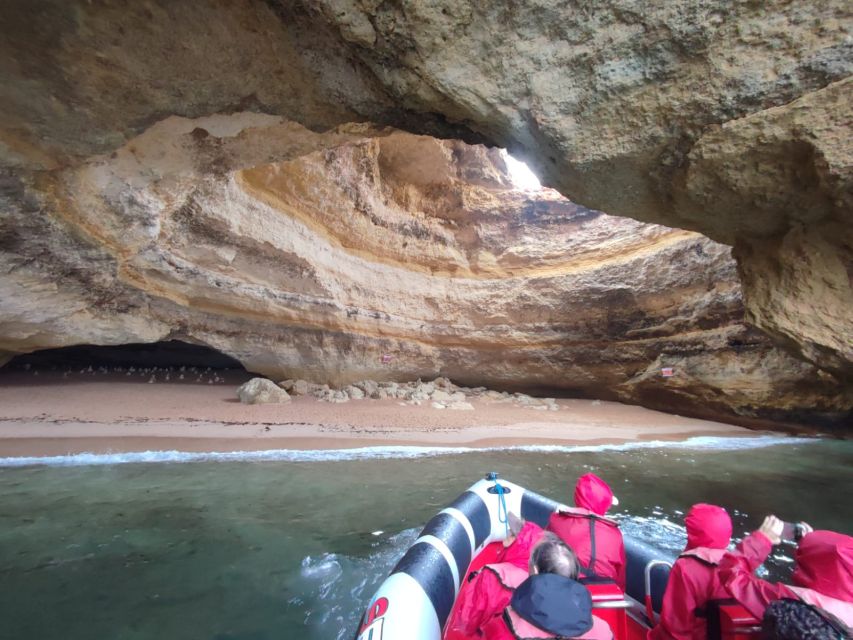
{"type": "Point", "coordinates": [416, 599]}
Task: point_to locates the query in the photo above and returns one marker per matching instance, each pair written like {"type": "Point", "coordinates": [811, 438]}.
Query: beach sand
{"type": "Point", "coordinates": [56, 414]}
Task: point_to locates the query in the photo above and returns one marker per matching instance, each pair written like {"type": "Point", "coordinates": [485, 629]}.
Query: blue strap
{"type": "Point", "coordinates": [504, 519]}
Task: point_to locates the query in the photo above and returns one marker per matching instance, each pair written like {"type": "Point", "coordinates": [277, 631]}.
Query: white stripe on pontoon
{"type": "Point", "coordinates": [448, 556]}
{"type": "Point", "coordinates": [513, 499]}
{"type": "Point", "coordinates": [466, 524]}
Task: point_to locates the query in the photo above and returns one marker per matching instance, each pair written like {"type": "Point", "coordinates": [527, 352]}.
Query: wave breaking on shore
{"type": "Point", "coordinates": [715, 443]}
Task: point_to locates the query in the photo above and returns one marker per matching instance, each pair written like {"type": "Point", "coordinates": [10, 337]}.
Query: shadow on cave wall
{"type": "Point", "coordinates": [170, 354]}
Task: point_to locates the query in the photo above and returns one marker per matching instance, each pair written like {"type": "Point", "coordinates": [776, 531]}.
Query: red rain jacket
{"type": "Point", "coordinates": [485, 596]}
{"type": "Point", "coordinates": [693, 581]}
{"type": "Point", "coordinates": [694, 578]}
{"type": "Point", "coordinates": [823, 575]}
{"type": "Point", "coordinates": [582, 526]}
{"type": "Point", "coordinates": [593, 493]}
{"type": "Point", "coordinates": [518, 553]}
{"type": "Point", "coordinates": [491, 590]}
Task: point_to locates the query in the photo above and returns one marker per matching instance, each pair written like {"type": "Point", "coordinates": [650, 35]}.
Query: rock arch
{"type": "Point", "coordinates": [728, 120]}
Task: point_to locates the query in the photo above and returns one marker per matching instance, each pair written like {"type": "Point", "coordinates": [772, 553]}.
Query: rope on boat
{"type": "Point", "coordinates": [503, 515]}
{"type": "Point", "coordinates": [503, 519]}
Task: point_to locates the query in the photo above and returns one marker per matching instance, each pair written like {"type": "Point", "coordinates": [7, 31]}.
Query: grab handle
{"type": "Point", "coordinates": [650, 611]}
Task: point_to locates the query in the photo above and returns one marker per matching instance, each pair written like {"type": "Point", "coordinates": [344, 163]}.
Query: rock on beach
{"type": "Point", "coordinates": [262, 391]}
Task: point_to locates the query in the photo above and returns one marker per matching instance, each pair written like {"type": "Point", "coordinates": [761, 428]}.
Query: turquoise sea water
{"type": "Point", "coordinates": [288, 545]}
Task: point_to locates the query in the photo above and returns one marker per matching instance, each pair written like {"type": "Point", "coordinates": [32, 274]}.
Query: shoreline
{"type": "Point", "coordinates": [54, 416]}
{"type": "Point", "coordinates": [40, 439]}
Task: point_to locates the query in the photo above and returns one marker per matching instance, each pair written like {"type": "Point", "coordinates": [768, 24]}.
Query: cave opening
{"type": "Point", "coordinates": [520, 174]}
{"type": "Point", "coordinates": [167, 360]}
{"type": "Point", "coordinates": [408, 255]}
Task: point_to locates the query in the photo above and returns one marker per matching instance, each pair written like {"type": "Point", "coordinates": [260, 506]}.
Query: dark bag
{"type": "Point", "coordinates": [790, 619]}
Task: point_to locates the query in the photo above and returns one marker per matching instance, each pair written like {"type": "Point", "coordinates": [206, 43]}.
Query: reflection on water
{"type": "Point", "coordinates": [252, 550]}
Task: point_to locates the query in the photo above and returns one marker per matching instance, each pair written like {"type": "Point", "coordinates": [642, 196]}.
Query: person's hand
{"type": "Point", "coordinates": [772, 528]}
{"type": "Point", "coordinates": [806, 529]}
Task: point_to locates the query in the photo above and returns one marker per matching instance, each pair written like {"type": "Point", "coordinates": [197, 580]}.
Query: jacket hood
{"type": "Point", "coordinates": [825, 564]}
{"type": "Point", "coordinates": [593, 493]}
{"type": "Point", "coordinates": [708, 526]}
{"type": "Point", "coordinates": [555, 604]}
{"type": "Point", "coordinates": [518, 553]}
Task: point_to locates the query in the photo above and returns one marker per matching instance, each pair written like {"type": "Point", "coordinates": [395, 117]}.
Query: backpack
{"type": "Point", "coordinates": [789, 619]}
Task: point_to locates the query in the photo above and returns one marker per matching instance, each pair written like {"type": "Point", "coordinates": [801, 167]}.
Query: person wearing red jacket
{"type": "Point", "coordinates": [694, 579]}
{"type": "Point", "coordinates": [595, 539]}
{"type": "Point", "coordinates": [823, 575]}
{"type": "Point", "coordinates": [519, 550]}
{"type": "Point", "coordinates": [491, 588]}
{"type": "Point", "coordinates": [549, 603]}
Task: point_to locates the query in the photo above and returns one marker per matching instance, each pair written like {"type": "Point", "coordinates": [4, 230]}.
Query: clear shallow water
{"type": "Point", "coordinates": [274, 547]}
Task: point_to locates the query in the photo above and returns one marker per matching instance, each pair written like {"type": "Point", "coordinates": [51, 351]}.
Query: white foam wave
{"type": "Point", "coordinates": [364, 453]}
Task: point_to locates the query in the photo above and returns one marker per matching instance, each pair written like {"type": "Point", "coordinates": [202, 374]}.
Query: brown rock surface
{"type": "Point", "coordinates": [161, 165]}
{"type": "Point", "coordinates": [312, 255]}
{"type": "Point", "coordinates": [731, 119]}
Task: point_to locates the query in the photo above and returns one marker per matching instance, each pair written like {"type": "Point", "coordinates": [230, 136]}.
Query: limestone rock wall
{"type": "Point", "coordinates": [728, 118]}
{"type": "Point", "coordinates": [731, 119]}
{"type": "Point", "coordinates": [369, 253]}
{"type": "Point", "coordinates": [148, 188]}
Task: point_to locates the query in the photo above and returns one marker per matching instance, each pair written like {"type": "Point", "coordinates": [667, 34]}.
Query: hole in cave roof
{"type": "Point", "coordinates": [520, 174]}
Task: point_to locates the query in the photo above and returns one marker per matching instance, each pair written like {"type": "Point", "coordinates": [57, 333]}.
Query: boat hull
{"type": "Point", "coordinates": [416, 599]}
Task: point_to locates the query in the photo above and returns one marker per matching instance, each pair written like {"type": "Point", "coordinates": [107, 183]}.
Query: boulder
{"type": "Point", "coordinates": [354, 392]}
{"type": "Point", "coordinates": [337, 397]}
{"type": "Point", "coordinates": [300, 388]}
{"type": "Point", "coordinates": [404, 392]}
{"type": "Point", "coordinates": [444, 383]}
{"type": "Point", "coordinates": [262, 391]}
{"type": "Point", "coordinates": [319, 391]}
{"type": "Point", "coordinates": [425, 388]}
{"type": "Point", "coordinates": [418, 396]}
{"type": "Point", "coordinates": [440, 396]}
{"type": "Point", "coordinates": [367, 386]}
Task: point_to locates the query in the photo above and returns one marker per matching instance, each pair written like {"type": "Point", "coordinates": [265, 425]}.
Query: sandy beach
{"type": "Point", "coordinates": [56, 414]}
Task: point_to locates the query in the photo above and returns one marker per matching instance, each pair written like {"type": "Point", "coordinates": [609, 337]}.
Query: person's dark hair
{"type": "Point", "coordinates": [552, 555]}
{"type": "Point", "coordinates": [789, 619]}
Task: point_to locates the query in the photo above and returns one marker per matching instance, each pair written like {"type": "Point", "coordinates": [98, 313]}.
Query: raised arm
{"type": "Point", "coordinates": [737, 569]}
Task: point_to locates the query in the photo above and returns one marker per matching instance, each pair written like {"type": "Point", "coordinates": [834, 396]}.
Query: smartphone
{"type": "Point", "coordinates": [792, 531]}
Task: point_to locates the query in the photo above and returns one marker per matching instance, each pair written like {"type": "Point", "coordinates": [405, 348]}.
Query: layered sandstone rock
{"type": "Point", "coordinates": [363, 253]}
{"type": "Point", "coordinates": [726, 118]}
{"type": "Point", "coordinates": [729, 119]}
